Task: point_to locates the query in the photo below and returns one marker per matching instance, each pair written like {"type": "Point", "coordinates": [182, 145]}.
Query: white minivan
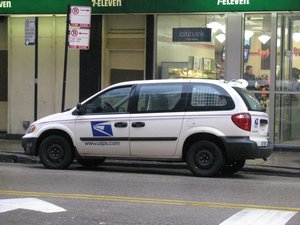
{"type": "Point", "coordinates": [212, 125]}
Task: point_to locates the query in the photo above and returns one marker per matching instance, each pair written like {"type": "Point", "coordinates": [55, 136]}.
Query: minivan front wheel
{"type": "Point", "coordinates": [56, 152]}
{"type": "Point", "coordinates": [205, 159]}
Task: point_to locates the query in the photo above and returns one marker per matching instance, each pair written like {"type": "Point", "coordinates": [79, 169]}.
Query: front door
{"type": "Point", "coordinates": [102, 128]}
{"type": "Point", "coordinates": [156, 124]}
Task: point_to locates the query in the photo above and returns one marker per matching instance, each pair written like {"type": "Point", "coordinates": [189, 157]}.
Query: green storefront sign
{"type": "Point", "coordinates": [146, 6]}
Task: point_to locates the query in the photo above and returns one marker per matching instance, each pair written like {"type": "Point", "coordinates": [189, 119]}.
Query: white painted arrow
{"type": "Point", "coordinates": [30, 204]}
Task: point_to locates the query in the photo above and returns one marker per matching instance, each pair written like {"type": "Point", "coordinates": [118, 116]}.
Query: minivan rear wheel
{"type": "Point", "coordinates": [205, 159]}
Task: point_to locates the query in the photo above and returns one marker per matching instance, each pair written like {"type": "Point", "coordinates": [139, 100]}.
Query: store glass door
{"type": "Point", "coordinates": [256, 55]}
{"type": "Point", "coordinates": [287, 95]}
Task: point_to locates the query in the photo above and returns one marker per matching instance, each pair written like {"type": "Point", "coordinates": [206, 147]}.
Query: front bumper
{"type": "Point", "coordinates": [239, 148]}
{"type": "Point", "coordinates": [29, 146]}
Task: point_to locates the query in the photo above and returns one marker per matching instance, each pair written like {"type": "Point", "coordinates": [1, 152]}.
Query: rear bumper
{"type": "Point", "coordinates": [238, 148]}
{"type": "Point", "coordinates": [29, 146]}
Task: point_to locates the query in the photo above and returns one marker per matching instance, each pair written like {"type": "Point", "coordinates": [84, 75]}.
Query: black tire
{"type": "Point", "coordinates": [56, 152]}
{"type": "Point", "coordinates": [90, 162]}
{"type": "Point", "coordinates": [205, 159]}
{"type": "Point", "coordinates": [232, 167]}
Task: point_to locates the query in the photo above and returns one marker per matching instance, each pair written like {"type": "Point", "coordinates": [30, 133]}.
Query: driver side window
{"type": "Point", "coordinates": [111, 101]}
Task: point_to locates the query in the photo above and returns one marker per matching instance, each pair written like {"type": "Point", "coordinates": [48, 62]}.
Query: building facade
{"type": "Point", "coordinates": [157, 39]}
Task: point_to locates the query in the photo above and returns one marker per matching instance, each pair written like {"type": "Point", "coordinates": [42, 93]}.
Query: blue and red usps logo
{"type": "Point", "coordinates": [101, 129]}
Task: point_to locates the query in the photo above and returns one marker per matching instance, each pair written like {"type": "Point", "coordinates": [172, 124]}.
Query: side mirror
{"type": "Point", "coordinates": [79, 108]}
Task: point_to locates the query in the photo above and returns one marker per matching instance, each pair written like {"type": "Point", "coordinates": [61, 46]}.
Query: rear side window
{"type": "Point", "coordinates": [250, 100]}
{"type": "Point", "coordinates": [160, 98]}
{"type": "Point", "coordinates": [206, 97]}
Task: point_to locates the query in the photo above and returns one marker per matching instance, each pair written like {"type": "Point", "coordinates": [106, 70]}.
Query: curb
{"type": "Point", "coordinates": [6, 157]}
{"type": "Point", "coordinates": [283, 171]}
{"type": "Point", "coordinates": [17, 158]}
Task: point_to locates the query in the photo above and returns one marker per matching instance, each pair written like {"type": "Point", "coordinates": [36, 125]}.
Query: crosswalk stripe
{"type": "Point", "coordinates": [30, 204]}
{"type": "Point", "coordinates": [259, 217]}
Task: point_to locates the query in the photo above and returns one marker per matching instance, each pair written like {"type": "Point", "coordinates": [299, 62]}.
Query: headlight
{"type": "Point", "coordinates": [30, 129]}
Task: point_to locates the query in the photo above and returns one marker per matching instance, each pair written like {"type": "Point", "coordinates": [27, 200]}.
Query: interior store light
{"type": "Point", "coordinates": [214, 26]}
{"type": "Point", "coordinates": [221, 38]}
{"type": "Point", "coordinates": [223, 29]}
{"type": "Point", "coordinates": [296, 37]}
{"type": "Point", "coordinates": [278, 42]}
{"type": "Point", "coordinates": [264, 38]}
{"type": "Point", "coordinates": [279, 31]}
{"type": "Point", "coordinates": [248, 34]}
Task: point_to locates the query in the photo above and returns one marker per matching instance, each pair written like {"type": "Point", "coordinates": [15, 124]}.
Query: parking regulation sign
{"type": "Point", "coordinates": [80, 16]}
{"type": "Point", "coordinates": [79, 38]}
{"type": "Point", "coordinates": [29, 31]}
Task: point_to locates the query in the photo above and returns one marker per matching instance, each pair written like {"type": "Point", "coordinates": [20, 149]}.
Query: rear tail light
{"type": "Point", "coordinates": [242, 120]}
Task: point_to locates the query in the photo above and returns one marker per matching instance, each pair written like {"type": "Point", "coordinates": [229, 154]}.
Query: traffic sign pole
{"type": "Point", "coordinates": [79, 18]}
{"type": "Point", "coordinates": [65, 60]}
{"type": "Point", "coordinates": [36, 68]}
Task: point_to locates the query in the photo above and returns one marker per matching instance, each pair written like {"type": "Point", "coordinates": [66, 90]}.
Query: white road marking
{"type": "Point", "coordinates": [259, 217]}
{"type": "Point", "coordinates": [30, 204]}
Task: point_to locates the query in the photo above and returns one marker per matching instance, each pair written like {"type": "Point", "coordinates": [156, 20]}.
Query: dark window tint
{"type": "Point", "coordinates": [160, 98]}
{"type": "Point", "coordinates": [205, 97]}
{"type": "Point", "coordinates": [250, 100]}
{"type": "Point", "coordinates": [112, 101]}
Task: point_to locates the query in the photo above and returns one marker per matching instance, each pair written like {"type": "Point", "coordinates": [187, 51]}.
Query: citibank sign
{"type": "Point", "coordinates": [191, 34]}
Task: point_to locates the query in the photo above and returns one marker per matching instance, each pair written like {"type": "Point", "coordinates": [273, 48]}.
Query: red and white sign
{"type": "Point", "coordinates": [80, 16]}
{"type": "Point", "coordinates": [79, 38]}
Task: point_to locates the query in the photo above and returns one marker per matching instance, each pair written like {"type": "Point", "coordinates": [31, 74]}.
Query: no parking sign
{"type": "Point", "coordinates": [80, 16]}
{"type": "Point", "coordinates": [79, 38]}
{"type": "Point", "coordinates": [29, 31]}
{"type": "Point", "coordinates": [80, 22]}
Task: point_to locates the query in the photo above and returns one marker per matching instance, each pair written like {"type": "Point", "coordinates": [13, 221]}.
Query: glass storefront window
{"type": "Point", "coordinates": [287, 120]}
{"type": "Point", "coordinates": [288, 52]}
{"type": "Point", "coordinates": [191, 46]}
{"type": "Point", "coordinates": [287, 95]}
{"type": "Point", "coordinates": [256, 55]}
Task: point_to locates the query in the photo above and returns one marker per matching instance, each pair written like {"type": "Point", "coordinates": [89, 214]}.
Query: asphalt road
{"type": "Point", "coordinates": [143, 195]}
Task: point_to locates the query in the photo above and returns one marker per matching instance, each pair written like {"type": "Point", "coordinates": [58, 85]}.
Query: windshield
{"type": "Point", "coordinates": [250, 100]}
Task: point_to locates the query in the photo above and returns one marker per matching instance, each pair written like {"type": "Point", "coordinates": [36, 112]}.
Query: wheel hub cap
{"type": "Point", "coordinates": [204, 159]}
{"type": "Point", "coordinates": [55, 153]}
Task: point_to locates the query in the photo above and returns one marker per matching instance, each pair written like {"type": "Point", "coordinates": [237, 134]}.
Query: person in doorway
{"type": "Point", "coordinates": [295, 85]}
{"type": "Point", "coordinates": [219, 72]}
{"type": "Point", "coordinates": [250, 77]}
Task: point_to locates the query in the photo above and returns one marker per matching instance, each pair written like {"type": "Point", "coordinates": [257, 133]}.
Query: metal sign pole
{"type": "Point", "coordinates": [36, 68]}
{"type": "Point", "coordinates": [65, 60]}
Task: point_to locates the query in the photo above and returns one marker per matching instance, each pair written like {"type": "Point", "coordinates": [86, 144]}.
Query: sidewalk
{"type": "Point", "coordinates": [12, 151]}
{"type": "Point", "coordinates": [280, 162]}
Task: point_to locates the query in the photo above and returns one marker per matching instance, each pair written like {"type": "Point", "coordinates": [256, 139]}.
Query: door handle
{"type": "Point", "coordinates": [121, 124]}
{"type": "Point", "coordinates": [138, 124]}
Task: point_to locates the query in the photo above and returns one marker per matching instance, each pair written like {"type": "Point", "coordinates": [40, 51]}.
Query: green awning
{"type": "Point", "coordinates": [146, 6]}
